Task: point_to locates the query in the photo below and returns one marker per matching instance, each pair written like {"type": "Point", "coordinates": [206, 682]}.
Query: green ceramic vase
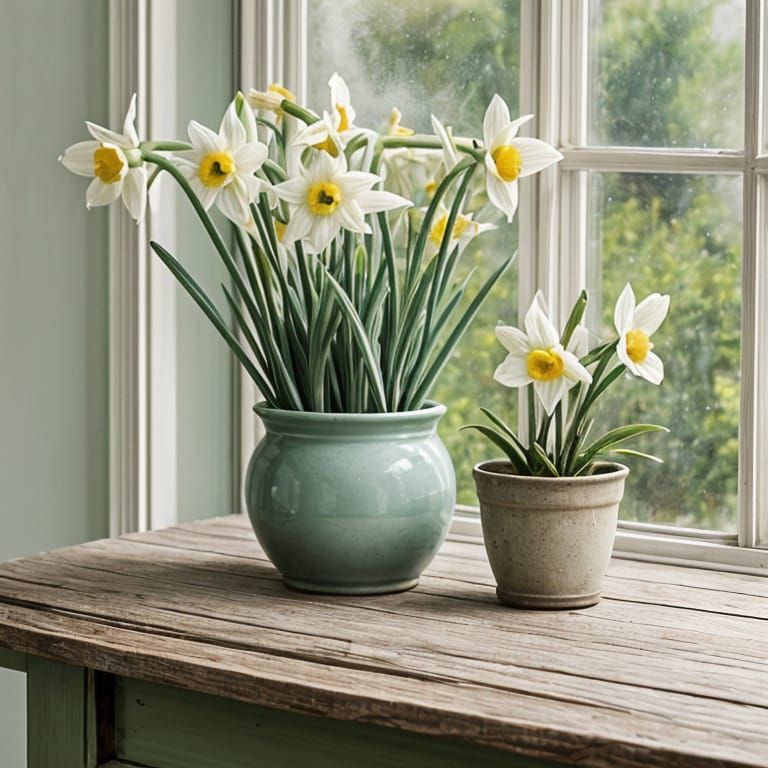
{"type": "Point", "coordinates": [351, 503]}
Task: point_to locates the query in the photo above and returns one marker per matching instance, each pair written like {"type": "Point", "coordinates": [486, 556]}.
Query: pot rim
{"type": "Point", "coordinates": [619, 471]}
{"type": "Point", "coordinates": [431, 409]}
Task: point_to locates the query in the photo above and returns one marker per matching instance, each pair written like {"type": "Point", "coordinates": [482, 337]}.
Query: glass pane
{"type": "Point", "coordinates": [679, 235]}
{"type": "Point", "coordinates": [667, 73]}
{"type": "Point", "coordinates": [446, 57]}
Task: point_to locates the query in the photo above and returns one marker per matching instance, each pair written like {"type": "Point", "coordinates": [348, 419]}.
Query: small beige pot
{"type": "Point", "coordinates": [549, 539]}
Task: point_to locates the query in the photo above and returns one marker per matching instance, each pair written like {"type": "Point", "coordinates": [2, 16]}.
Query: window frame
{"type": "Point", "coordinates": [272, 39]}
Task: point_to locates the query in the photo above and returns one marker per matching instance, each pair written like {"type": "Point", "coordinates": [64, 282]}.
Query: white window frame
{"type": "Point", "coordinates": [553, 233]}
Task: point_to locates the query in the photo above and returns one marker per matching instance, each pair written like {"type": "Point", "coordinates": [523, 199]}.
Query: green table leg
{"type": "Point", "coordinates": [60, 716]}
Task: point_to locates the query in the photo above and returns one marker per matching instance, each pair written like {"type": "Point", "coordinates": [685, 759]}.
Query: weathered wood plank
{"type": "Point", "coordinates": [56, 715]}
{"type": "Point", "coordinates": [552, 667]}
{"type": "Point", "coordinates": [670, 670]}
{"type": "Point", "coordinates": [604, 738]}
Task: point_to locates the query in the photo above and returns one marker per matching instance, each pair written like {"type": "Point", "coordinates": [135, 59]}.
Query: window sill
{"type": "Point", "coordinates": [667, 670]}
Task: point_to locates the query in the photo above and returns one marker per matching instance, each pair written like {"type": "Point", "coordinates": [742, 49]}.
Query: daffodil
{"type": "Point", "coordinates": [321, 134]}
{"type": "Point", "coordinates": [220, 167]}
{"type": "Point", "coordinates": [114, 162]}
{"type": "Point", "coordinates": [509, 158]}
{"type": "Point", "coordinates": [635, 326]}
{"type": "Point", "coordinates": [272, 99]}
{"type": "Point", "coordinates": [341, 104]}
{"type": "Point", "coordinates": [537, 357]}
{"type": "Point", "coordinates": [465, 229]}
{"type": "Point", "coordinates": [326, 197]}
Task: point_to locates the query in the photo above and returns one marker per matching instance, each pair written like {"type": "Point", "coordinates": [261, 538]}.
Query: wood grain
{"type": "Point", "coordinates": [670, 669]}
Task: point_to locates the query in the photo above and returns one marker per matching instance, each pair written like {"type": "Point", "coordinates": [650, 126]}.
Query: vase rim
{"type": "Point", "coordinates": [618, 471]}
{"type": "Point", "coordinates": [431, 409]}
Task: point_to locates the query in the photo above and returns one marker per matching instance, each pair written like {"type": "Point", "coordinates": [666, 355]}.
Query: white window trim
{"type": "Point", "coordinates": [142, 294]}
{"type": "Point", "coordinates": [552, 221]}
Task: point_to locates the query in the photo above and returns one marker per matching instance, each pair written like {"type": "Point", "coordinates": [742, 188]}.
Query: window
{"type": "Point", "coordinates": [657, 106]}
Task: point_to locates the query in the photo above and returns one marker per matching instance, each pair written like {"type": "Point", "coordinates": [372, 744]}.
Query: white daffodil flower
{"type": "Point", "coordinates": [538, 357]}
{"type": "Point", "coordinates": [465, 229]}
{"type": "Point", "coordinates": [509, 158]}
{"type": "Point", "coordinates": [335, 128]}
{"type": "Point", "coordinates": [326, 197]}
{"type": "Point", "coordinates": [272, 99]}
{"type": "Point", "coordinates": [114, 162]}
{"type": "Point", "coordinates": [221, 165]}
{"type": "Point", "coordinates": [635, 325]}
{"type": "Point", "coordinates": [321, 135]}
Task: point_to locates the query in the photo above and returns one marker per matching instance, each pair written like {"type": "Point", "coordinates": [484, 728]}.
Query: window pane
{"type": "Point", "coordinates": [446, 57]}
{"type": "Point", "coordinates": [667, 73]}
{"type": "Point", "coordinates": [680, 235]}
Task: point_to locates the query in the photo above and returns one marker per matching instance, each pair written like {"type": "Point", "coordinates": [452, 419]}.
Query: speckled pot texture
{"type": "Point", "coordinates": [549, 540]}
{"type": "Point", "coordinates": [351, 503]}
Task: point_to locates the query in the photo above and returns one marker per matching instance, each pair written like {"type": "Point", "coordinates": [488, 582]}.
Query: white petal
{"type": "Point", "coordinates": [105, 136]}
{"type": "Point", "coordinates": [324, 229]}
{"type": "Point", "coordinates": [231, 130]}
{"type": "Point", "coordinates": [539, 328]}
{"type": "Point", "coordinates": [513, 339]}
{"type": "Point", "coordinates": [550, 393]}
{"type": "Point", "coordinates": [496, 119]}
{"type": "Point", "coordinates": [203, 138]}
{"type": "Point", "coordinates": [579, 343]}
{"type": "Point", "coordinates": [573, 369]}
{"type": "Point", "coordinates": [536, 155]}
{"type": "Point", "coordinates": [621, 353]}
{"type": "Point", "coordinates": [250, 157]}
{"type": "Point", "coordinates": [624, 312]}
{"type": "Point", "coordinates": [339, 91]}
{"type": "Point", "coordinates": [135, 192]}
{"type": "Point", "coordinates": [375, 200]}
{"type": "Point", "coordinates": [502, 194]}
{"type": "Point", "coordinates": [232, 202]}
{"type": "Point", "coordinates": [292, 191]}
{"type": "Point", "coordinates": [355, 182]}
{"type": "Point", "coordinates": [206, 195]}
{"type": "Point", "coordinates": [651, 369]}
{"type": "Point", "coordinates": [513, 372]}
{"type": "Point", "coordinates": [79, 157]}
{"type": "Point", "coordinates": [299, 225]}
{"type": "Point", "coordinates": [352, 217]}
{"type": "Point", "coordinates": [650, 313]}
{"type": "Point", "coordinates": [99, 193]}
{"type": "Point", "coordinates": [516, 124]}
{"type": "Point", "coordinates": [254, 186]}
{"type": "Point", "coordinates": [129, 128]}
{"type": "Point", "coordinates": [313, 134]}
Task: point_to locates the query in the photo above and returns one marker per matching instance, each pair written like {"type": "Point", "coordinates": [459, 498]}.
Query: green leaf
{"type": "Point", "coordinates": [209, 309]}
{"type": "Point", "coordinates": [517, 460]}
{"type": "Point", "coordinates": [505, 428]}
{"type": "Point", "coordinates": [358, 330]}
{"type": "Point", "coordinates": [612, 438]}
{"type": "Point", "coordinates": [637, 454]}
{"type": "Point", "coordinates": [577, 313]}
{"type": "Point", "coordinates": [418, 390]}
{"type": "Point", "coordinates": [541, 455]}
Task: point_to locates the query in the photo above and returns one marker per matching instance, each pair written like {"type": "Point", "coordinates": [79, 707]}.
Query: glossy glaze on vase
{"type": "Point", "coordinates": [351, 503]}
{"type": "Point", "coordinates": [549, 539]}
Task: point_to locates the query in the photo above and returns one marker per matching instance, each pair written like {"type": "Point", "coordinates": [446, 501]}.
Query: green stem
{"type": "Point", "coordinates": [305, 115]}
{"type": "Point", "coordinates": [163, 146]}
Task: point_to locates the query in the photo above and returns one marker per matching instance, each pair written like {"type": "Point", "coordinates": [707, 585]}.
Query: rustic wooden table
{"type": "Point", "coordinates": [182, 649]}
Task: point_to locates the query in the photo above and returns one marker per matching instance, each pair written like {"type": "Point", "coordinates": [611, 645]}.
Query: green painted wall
{"type": "Point", "coordinates": [53, 297]}
{"type": "Point", "coordinates": [205, 366]}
